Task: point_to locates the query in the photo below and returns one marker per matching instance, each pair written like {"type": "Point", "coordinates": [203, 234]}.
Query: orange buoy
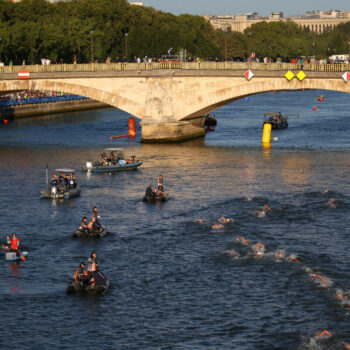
{"type": "Point", "coordinates": [315, 109]}
{"type": "Point", "coordinates": [132, 127]}
{"type": "Point", "coordinates": [132, 130]}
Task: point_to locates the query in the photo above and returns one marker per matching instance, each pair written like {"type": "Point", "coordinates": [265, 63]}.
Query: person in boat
{"type": "Point", "coordinates": [83, 228]}
{"type": "Point", "coordinates": [63, 180]}
{"type": "Point", "coordinates": [14, 245]}
{"type": "Point", "coordinates": [95, 225]}
{"type": "Point", "coordinates": [72, 181]}
{"type": "Point", "coordinates": [92, 263]}
{"type": "Point", "coordinates": [160, 183]}
{"type": "Point", "coordinates": [79, 273]}
{"type": "Point", "coordinates": [54, 180]}
{"type": "Point", "coordinates": [98, 277]}
{"type": "Point", "coordinates": [104, 160]}
{"type": "Point", "coordinates": [113, 158]}
{"type": "Point", "coordinates": [149, 192]}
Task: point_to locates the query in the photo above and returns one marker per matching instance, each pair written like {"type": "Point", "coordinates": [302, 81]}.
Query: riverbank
{"type": "Point", "coordinates": [31, 110]}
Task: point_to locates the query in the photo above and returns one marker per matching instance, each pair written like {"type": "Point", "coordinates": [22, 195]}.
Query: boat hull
{"type": "Point", "coordinates": [78, 288]}
{"type": "Point", "coordinates": [60, 193]}
{"type": "Point", "coordinates": [90, 235]}
{"type": "Point", "coordinates": [114, 168]}
{"type": "Point", "coordinates": [12, 257]}
{"type": "Point", "coordinates": [156, 199]}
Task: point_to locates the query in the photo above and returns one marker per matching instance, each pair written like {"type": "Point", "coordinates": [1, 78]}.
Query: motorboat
{"type": "Point", "coordinates": [277, 120]}
{"type": "Point", "coordinates": [66, 190]}
{"type": "Point", "coordinates": [12, 256]}
{"type": "Point", "coordinates": [114, 162]}
{"type": "Point", "coordinates": [320, 98]}
{"type": "Point", "coordinates": [155, 199]}
{"type": "Point", "coordinates": [81, 288]}
{"type": "Point", "coordinates": [210, 120]}
{"type": "Point", "coordinates": [90, 234]}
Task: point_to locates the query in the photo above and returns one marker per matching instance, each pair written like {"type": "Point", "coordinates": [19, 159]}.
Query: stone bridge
{"type": "Point", "coordinates": [172, 101]}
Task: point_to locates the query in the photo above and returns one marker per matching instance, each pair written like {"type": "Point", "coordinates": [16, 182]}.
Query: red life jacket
{"type": "Point", "coordinates": [14, 243]}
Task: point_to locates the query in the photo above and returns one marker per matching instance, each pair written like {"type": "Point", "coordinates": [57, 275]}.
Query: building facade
{"type": "Point", "coordinates": [314, 21]}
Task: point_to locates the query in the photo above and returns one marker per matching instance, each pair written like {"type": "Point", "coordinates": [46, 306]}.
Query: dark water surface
{"type": "Point", "coordinates": [173, 285]}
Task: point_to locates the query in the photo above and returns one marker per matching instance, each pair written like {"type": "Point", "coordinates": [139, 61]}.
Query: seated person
{"type": "Point", "coordinates": [104, 160]}
{"type": "Point", "coordinates": [98, 277]}
{"type": "Point", "coordinates": [79, 272]}
{"type": "Point", "coordinates": [54, 180]}
{"type": "Point", "coordinates": [84, 226]}
{"type": "Point", "coordinates": [149, 192]}
{"type": "Point", "coordinates": [72, 181]}
{"type": "Point", "coordinates": [122, 162]}
{"type": "Point", "coordinates": [63, 180]}
{"type": "Point", "coordinates": [113, 158]}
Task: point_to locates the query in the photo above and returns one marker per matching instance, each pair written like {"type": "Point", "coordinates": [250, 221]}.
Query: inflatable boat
{"type": "Point", "coordinates": [90, 235]}
{"type": "Point", "coordinates": [79, 288]}
{"type": "Point", "coordinates": [60, 191]}
{"type": "Point", "coordinates": [113, 162]}
{"type": "Point", "coordinates": [155, 199]}
{"type": "Point", "coordinates": [12, 256]}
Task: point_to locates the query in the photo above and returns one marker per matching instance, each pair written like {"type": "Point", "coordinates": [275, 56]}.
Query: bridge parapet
{"type": "Point", "coordinates": [196, 66]}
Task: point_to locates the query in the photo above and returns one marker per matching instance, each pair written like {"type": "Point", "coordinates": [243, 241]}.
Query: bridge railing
{"type": "Point", "coordinates": [98, 67]}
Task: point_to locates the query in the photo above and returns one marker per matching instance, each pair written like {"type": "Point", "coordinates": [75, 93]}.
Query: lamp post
{"type": "Point", "coordinates": [0, 48]}
{"type": "Point", "coordinates": [92, 46]}
{"type": "Point", "coordinates": [125, 31]}
{"type": "Point", "coordinates": [249, 48]}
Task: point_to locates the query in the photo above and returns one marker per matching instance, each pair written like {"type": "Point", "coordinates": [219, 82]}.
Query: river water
{"type": "Point", "coordinates": [174, 287]}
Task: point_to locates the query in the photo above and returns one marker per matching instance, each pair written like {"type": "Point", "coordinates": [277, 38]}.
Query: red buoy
{"type": "Point", "coordinates": [5, 121]}
{"type": "Point", "coordinates": [315, 109]}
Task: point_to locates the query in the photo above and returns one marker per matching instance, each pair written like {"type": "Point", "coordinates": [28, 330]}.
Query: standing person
{"type": "Point", "coordinates": [92, 263]}
{"type": "Point", "coordinates": [15, 246]}
{"type": "Point", "coordinates": [79, 272]}
{"type": "Point", "coordinates": [160, 183]}
{"type": "Point", "coordinates": [95, 219]}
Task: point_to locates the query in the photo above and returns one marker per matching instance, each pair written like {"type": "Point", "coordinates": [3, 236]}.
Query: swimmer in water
{"type": "Point", "coordinates": [293, 258]}
{"type": "Point", "coordinates": [200, 221]}
{"type": "Point", "coordinates": [331, 203]}
{"type": "Point", "coordinates": [231, 253]}
{"type": "Point", "coordinates": [326, 190]}
{"type": "Point", "coordinates": [260, 213]}
{"type": "Point", "coordinates": [346, 345]}
{"type": "Point", "coordinates": [259, 250]}
{"type": "Point", "coordinates": [223, 220]}
{"type": "Point", "coordinates": [280, 254]}
{"type": "Point", "coordinates": [324, 335]}
{"type": "Point", "coordinates": [242, 240]}
{"type": "Point", "coordinates": [217, 227]}
{"type": "Point", "coordinates": [325, 283]}
{"type": "Point", "coordinates": [266, 207]}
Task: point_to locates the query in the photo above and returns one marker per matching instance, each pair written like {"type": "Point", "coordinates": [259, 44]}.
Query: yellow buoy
{"type": "Point", "coordinates": [266, 138]}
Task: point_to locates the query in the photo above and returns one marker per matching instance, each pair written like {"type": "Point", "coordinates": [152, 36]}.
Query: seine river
{"type": "Point", "coordinates": [175, 286]}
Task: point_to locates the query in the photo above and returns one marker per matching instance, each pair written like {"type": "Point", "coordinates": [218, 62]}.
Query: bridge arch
{"type": "Point", "coordinates": [223, 96]}
{"type": "Point", "coordinates": [112, 99]}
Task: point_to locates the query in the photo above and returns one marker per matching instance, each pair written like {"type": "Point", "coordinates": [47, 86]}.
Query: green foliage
{"type": "Point", "coordinates": [35, 29]}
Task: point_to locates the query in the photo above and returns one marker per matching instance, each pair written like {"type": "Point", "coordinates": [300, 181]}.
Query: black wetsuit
{"type": "Point", "coordinates": [150, 193]}
{"type": "Point", "coordinates": [99, 278]}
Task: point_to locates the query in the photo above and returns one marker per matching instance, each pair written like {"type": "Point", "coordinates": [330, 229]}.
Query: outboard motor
{"type": "Point", "coordinates": [89, 166]}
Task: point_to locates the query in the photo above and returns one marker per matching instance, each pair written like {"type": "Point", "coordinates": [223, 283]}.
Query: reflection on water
{"type": "Point", "coordinates": [172, 285]}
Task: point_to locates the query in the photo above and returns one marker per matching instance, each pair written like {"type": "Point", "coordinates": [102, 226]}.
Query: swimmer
{"type": "Point", "coordinates": [339, 294]}
{"type": "Point", "coordinates": [326, 190]}
{"type": "Point", "coordinates": [280, 254]}
{"type": "Point", "coordinates": [242, 240]}
{"type": "Point", "coordinates": [223, 220]}
{"type": "Point", "coordinates": [266, 207]}
{"type": "Point", "coordinates": [217, 227]}
{"type": "Point", "coordinates": [324, 335]}
{"type": "Point", "coordinates": [346, 345]}
{"type": "Point", "coordinates": [325, 283]}
{"type": "Point", "coordinates": [260, 213]}
{"type": "Point", "coordinates": [200, 221]}
{"type": "Point", "coordinates": [331, 203]}
{"type": "Point", "coordinates": [230, 252]}
{"type": "Point", "coordinates": [259, 249]}
{"type": "Point", "coordinates": [293, 258]}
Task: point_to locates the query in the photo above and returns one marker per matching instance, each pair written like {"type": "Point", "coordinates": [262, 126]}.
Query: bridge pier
{"type": "Point", "coordinates": [172, 132]}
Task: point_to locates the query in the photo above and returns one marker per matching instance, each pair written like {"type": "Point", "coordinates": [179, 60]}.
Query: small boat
{"type": "Point", "coordinates": [118, 163]}
{"type": "Point", "coordinates": [80, 288]}
{"type": "Point", "coordinates": [12, 256]}
{"type": "Point", "coordinates": [156, 199]}
{"type": "Point", "coordinates": [210, 120]}
{"type": "Point", "coordinates": [60, 191]}
{"type": "Point", "coordinates": [277, 120]}
{"type": "Point", "coordinates": [90, 234]}
{"type": "Point", "coordinates": [320, 98]}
